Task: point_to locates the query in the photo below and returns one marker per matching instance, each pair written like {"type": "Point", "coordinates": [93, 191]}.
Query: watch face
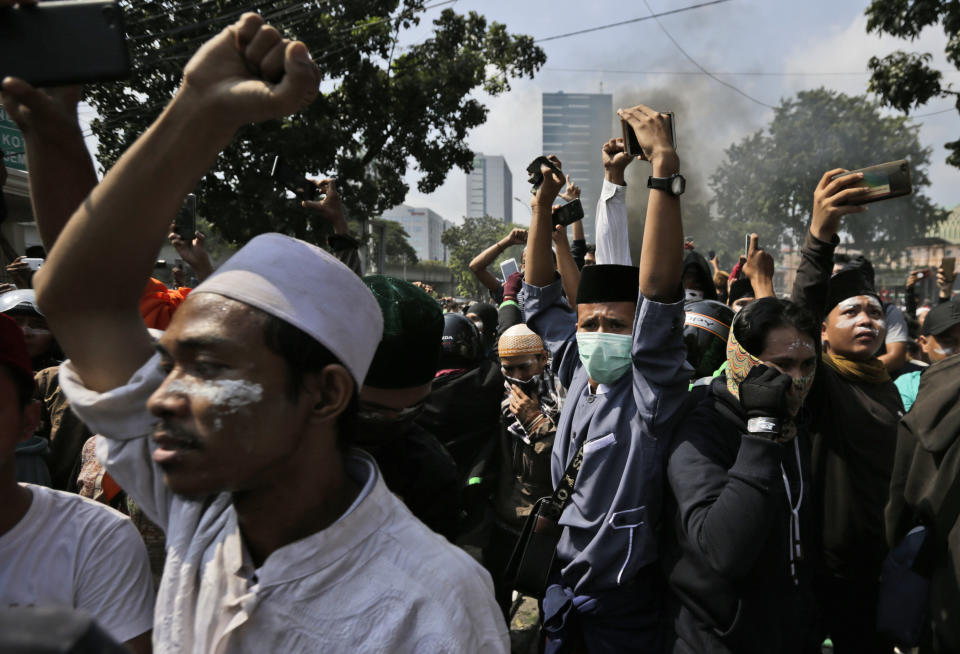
{"type": "Point", "coordinates": [677, 185]}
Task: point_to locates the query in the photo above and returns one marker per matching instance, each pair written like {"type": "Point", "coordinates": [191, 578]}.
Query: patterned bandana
{"type": "Point", "coordinates": [739, 364]}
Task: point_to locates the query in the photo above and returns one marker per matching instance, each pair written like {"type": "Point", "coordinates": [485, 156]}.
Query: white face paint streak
{"type": "Point", "coordinates": [854, 303]}
{"type": "Point", "coordinates": [229, 395]}
{"type": "Point", "coordinates": [799, 344]}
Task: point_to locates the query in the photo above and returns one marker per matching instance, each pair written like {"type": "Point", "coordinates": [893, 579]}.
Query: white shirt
{"type": "Point", "coordinates": [71, 552]}
{"type": "Point", "coordinates": [377, 580]}
{"type": "Point", "coordinates": [613, 242]}
{"type": "Point", "coordinates": [897, 331]}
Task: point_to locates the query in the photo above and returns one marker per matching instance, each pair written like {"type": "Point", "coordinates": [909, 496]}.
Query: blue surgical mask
{"type": "Point", "coordinates": [605, 356]}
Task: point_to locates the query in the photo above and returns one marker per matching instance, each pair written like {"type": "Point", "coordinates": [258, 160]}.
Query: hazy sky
{"type": "Point", "coordinates": [796, 45]}
{"type": "Point", "coordinates": [788, 39]}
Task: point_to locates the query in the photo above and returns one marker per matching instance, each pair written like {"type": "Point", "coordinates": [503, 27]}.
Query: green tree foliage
{"type": "Point", "coordinates": [766, 182]}
{"type": "Point", "coordinates": [905, 80]}
{"type": "Point", "coordinates": [382, 108]}
{"type": "Point", "coordinates": [469, 239]}
{"type": "Point", "coordinates": [398, 248]}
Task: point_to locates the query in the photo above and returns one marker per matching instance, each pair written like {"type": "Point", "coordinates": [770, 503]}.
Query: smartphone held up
{"type": "Point", "coordinates": [885, 181]}
{"type": "Point", "coordinates": [293, 181]}
{"type": "Point", "coordinates": [631, 145]}
{"type": "Point", "coordinates": [79, 41]}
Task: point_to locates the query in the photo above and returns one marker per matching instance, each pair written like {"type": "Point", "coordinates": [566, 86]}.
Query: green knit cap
{"type": "Point", "coordinates": [409, 352]}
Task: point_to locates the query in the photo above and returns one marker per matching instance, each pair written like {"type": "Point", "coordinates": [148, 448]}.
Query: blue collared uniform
{"type": "Point", "coordinates": [609, 526]}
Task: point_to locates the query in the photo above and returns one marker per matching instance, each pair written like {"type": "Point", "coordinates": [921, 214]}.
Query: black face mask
{"type": "Point", "coordinates": [529, 387]}
{"type": "Point", "coordinates": [374, 428]}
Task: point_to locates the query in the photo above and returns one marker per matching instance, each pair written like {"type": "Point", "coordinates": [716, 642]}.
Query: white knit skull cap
{"type": "Point", "coordinates": [308, 288]}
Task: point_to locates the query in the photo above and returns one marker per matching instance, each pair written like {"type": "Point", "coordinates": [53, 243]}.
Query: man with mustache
{"type": "Point", "coordinates": [234, 433]}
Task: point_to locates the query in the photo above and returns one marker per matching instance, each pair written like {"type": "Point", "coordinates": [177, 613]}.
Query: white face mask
{"type": "Point", "coordinates": [692, 295]}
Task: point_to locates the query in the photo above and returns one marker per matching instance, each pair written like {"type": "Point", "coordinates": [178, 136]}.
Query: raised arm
{"type": "Point", "coordinates": [944, 284]}
{"type": "Point", "coordinates": [661, 257]}
{"type": "Point", "coordinates": [566, 266]}
{"type": "Point", "coordinates": [759, 269]}
{"type": "Point", "coordinates": [103, 333]}
{"type": "Point", "coordinates": [330, 210]}
{"type": "Point", "coordinates": [816, 261]}
{"type": "Point", "coordinates": [910, 296]}
{"type": "Point", "coordinates": [539, 269]}
{"type": "Point", "coordinates": [613, 244]}
{"type": "Point", "coordinates": [61, 170]}
{"type": "Point", "coordinates": [480, 262]}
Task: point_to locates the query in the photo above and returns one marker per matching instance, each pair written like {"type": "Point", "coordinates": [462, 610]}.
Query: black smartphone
{"type": "Point", "coordinates": [567, 214]}
{"type": "Point", "coordinates": [536, 176]}
{"type": "Point", "coordinates": [886, 180]}
{"type": "Point", "coordinates": [298, 184]}
{"type": "Point", "coordinates": [949, 265]}
{"type": "Point", "coordinates": [186, 222]}
{"type": "Point", "coordinates": [632, 146]}
{"type": "Point", "coordinates": [57, 43]}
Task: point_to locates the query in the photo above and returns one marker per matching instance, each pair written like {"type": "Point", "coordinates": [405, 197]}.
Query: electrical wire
{"type": "Point", "coordinates": [627, 22]}
{"type": "Point", "coordinates": [702, 69]}
{"type": "Point", "coordinates": [697, 72]}
{"type": "Point", "coordinates": [932, 113]}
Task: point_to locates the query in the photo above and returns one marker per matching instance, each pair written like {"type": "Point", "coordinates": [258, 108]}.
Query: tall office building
{"type": "Point", "coordinates": [490, 188]}
{"type": "Point", "coordinates": [424, 227]}
{"type": "Point", "coordinates": [575, 127]}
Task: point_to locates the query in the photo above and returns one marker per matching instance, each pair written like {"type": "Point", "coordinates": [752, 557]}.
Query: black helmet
{"type": "Point", "coordinates": [705, 333]}
{"type": "Point", "coordinates": [460, 343]}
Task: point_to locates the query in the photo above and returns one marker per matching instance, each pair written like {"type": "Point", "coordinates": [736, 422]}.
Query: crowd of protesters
{"type": "Point", "coordinates": [295, 457]}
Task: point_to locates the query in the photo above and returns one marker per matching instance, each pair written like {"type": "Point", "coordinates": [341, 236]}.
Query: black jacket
{"type": "Point", "coordinates": [463, 412]}
{"type": "Point", "coordinates": [925, 489]}
{"type": "Point", "coordinates": [728, 562]}
{"type": "Point", "coordinates": [853, 435]}
{"type": "Point", "coordinates": [417, 468]}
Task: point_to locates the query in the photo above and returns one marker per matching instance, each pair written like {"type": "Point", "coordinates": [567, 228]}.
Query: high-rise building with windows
{"type": "Point", "coordinates": [490, 188]}
{"type": "Point", "coordinates": [575, 127]}
{"type": "Point", "coordinates": [424, 228]}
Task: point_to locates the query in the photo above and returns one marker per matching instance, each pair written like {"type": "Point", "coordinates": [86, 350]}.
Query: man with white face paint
{"type": "Point", "coordinates": [233, 434]}
{"type": "Point", "coordinates": [854, 408]}
{"type": "Point", "coordinates": [620, 355]}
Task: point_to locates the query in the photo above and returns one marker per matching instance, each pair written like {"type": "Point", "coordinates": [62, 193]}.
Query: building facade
{"type": "Point", "coordinates": [490, 188]}
{"type": "Point", "coordinates": [575, 127]}
{"type": "Point", "coordinates": [424, 228]}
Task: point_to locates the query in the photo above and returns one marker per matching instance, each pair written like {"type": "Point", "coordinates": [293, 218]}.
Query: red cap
{"type": "Point", "coordinates": [13, 346]}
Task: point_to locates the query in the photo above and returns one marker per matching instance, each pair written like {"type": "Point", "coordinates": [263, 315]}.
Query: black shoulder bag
{"type": "Point", "coordinates": [533, 555]}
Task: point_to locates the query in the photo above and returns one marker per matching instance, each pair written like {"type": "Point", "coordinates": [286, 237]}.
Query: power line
{"type": "Point", "coordinates": [932, 113]}
{"type": "Point", "coordinates": [632, 20]}
{"type": "Point", "coordinates": [698, 72]}
{"type": "Point", "coordinates": [702, 69]}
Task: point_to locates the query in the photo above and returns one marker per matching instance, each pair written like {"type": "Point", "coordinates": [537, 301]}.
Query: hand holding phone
{"type": "Point", "coordinates": [885, 181]}
{"type": "Point", "coordinates": [646, 131]}
{"type": "Point", "coordinates": [185, 224]}
{"type": "Point", "coordinates": [535, 172]}
{"type": "Point", "coordinates": [567, 214]}
{"type": "Point", "coordinates": [298, 184]}
{"type": "Point", "coordinates": [948, 267]}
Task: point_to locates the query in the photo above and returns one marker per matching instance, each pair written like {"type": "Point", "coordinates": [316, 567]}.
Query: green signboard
{"type": "Point", "coordinates": [11, 142]}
